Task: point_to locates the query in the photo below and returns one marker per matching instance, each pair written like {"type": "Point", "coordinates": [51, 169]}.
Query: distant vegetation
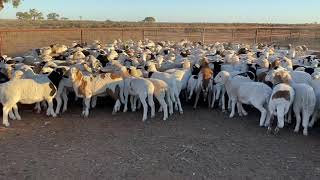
{"type": "Point", "coordinates": [25, 22]}
{"type": "Point", "coordinates": [149, 19]}
{"type": "Point", "coordinates": [15, 3]}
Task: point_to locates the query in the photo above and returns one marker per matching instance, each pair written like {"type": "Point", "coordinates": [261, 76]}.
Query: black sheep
{"type": "Point", "coordinates": [56, 76]}
{"type": "Point", "coordinates": [195, 69]}
{"type": "Point", "coordinates": [103, 59]}
{"type": "Point", "coordinates": [3, 78]}
{"type": "Point", "coordinates": [86, 53]}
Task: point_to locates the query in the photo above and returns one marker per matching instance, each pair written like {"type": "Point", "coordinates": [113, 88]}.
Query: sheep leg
{"type": "Point", "coordinates": [244, 112]}
{"type": "Point", "coordinates": [139, 103]}
{"type": "Point", "coordinates": [179, 104]}
{"type": "Point", "coordinates": [233, 107]}
{"type": "Point", "coordinates": [305, 122]}
{"type": "Point", "coordinates": [209, 99]}
{"type": "Point", "coordinates": [169, 103]}
{"type": "Point", "coordinates": [59, 103]}
{"type": "Point", "coordinates": [65, 100]}
{"type": "Point", "coordinates": [126, 94]}
{"type": "Point", "coordinates": [116, 107]}
{"type": "Point", "coordinates": [38, 107]}
{"type": "Point", "coordinates": [50, 110]}
{"type": "Point", "coordinates": [164, 107]}
{"type": "Point", "coordinates": [239, 108]}
{"type": "Point", "coordinates": [267, 122]}
{"type": "Point", "coordinates": [229, 104]}
{"type": "Point", "coordinates": [197, 99]}
{"type": "Point", "coordinates": [94, 101]}
{"type": "Point", "coordinates": [151, 104]}
{"type": "Point", "coordinates": [289, 115]}
{"type": "Point", "coordinates": [85, 113]}
{"type": "Point", "coordinates": [145, 109]}
{"type": "Point", "coordinates": [263, 115]}
{"type": "Point", "coordinates": [16, 112]}
{"type": "Point", "coordinates": [298, 121]}
{"type": "Point", "coordinates": [223, 101]}
{"type": "Point", "coordinates": [5, 112]}
{"type": "Point", "coordinates": [314, 118]}
{"type": "Point", "coordinates": [44, 105]}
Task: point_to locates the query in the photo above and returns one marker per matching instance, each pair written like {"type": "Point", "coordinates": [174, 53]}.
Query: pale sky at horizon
{"type": "Point", "coordinates": [213, 11]}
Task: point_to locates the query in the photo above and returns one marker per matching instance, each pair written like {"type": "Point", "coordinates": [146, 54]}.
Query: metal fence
{"type": "Point", "coordinates": [18, 41]}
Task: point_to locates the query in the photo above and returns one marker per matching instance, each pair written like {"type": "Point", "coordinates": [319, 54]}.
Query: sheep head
{"type": "Point", "coordinates": [222, 77]}
{"type": "Point", "coordinates": [281, 76]}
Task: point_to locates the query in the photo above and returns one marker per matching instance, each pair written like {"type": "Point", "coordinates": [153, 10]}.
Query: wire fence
{"type": "Point", "coordinates": [18, 41]}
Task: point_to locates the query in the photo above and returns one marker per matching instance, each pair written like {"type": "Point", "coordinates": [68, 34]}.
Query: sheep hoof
{"type": "Point", "coordinates": [153, 116]}
{"type": "Point", "coordinates": [144, 119]}
{"type": "Point", "coordinates": [276, 130]}
{"type": "Point", "coordinates": [54, 115]}
{"type": "Point", "coordinates": [19, 118]}
{"type": "Point", "coordinates": [310, 125]}
{"type": "Point", "coordinates": [164, 119]}
{"type": "Point", "coordinates": [6, 124]}
{"type": "Point", "coordinates": [181, 112]}
{"type": "Point", "coordinates": [269, 130]}
{"type": "Point", "coordinates": [296, 130]}
{"type": "Point", "coordinates": [114, 113]}
{"type": "Point", "coordinates": [305, 132]}
{"type": "Point", "coordinates": [231, 116]}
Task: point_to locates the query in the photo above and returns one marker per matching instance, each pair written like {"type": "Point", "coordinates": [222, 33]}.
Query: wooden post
{"type": "Point", "coordinates": [156, 39]}
{"type": "Point", "coordinates": [0, 43]}
{"type": "Point", "coordinates": [143, 35]}
{"type": "Point", "coordinates": [256, 37]}
{"type": "Point", "coordinates": [203, 36]}
{"type": "Point", "coordinates": [81, 36]}
{"type": "Point", "coordinates": [232, 34]}
{"type": "Point", "coordinates": [271, 35]}
{"type": "Point", "coordinates": [122, 33]}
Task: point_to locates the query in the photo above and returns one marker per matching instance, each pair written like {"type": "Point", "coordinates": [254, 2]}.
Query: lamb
{"type": "Point", "coordinates": [87, 86]}
{"type": "Point", "coordinates": [161, 92]}
{"type": "Point", "coordinates": [26, 91]}
{"type": "Point", "coordinates": [170, 80]}
{"type": "Point", "coordinates": [304, 103]}
{"type": "Point", "coordinates": [138, 87]}
{"type": "Point", "coordinates": [204, 84]}
{"type": "Point", "coordinates": [281, 98]}
{"type": "Point", "coordinates": [231, 85]}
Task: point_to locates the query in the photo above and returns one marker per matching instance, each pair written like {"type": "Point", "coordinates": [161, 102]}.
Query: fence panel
{"type": "Point", "coordinates": [17, 42]}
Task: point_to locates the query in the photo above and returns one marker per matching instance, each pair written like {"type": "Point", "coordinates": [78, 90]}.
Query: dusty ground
{"type": "Point", "coordinates": [201, 144]}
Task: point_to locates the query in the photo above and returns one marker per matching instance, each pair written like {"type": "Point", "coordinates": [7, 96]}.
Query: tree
{"type": "Point", "coordinates": [23, 16]}
{"type": "Point", "coordinates": [35, 14]}
{"type": "Point", "coordinates": [53, 16]}
{"type": "Point", "coordinates": [15, 3]}
{"type": "Point", "coordinates": [64, 18]}
{"type": "Point", "coordinates": [149, 19]}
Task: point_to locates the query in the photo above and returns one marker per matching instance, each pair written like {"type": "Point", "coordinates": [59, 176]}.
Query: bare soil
{"type": "Point", "coordinates": [201, 144]}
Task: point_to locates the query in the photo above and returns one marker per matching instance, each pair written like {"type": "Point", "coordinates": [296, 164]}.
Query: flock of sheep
{"type": "Point", "coordinates": [275, 80]}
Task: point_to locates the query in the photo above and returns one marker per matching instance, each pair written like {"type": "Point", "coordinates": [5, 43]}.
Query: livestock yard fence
{"type": "Point", "coordinates": [18, 41]}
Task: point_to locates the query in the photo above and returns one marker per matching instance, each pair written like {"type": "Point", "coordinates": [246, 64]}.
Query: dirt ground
{"type": "Point", "coordinates": [201, 144]}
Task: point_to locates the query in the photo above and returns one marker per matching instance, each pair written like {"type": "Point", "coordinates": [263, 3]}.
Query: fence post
{"type": "Point", "coordinates": [256, 37]}
{"type": "Point", "coordinates": [203, 35]}
{"type": "Point", "coordinates": [0, 43]}
{"type": "Point", "coordinates": [143, 35]}
{"type": "Point", "coordinates": [271, 35]}
{"type": "Point", "coordinates": [232, 34]}
{"type": "Point", "coordinates": [81, 36]}
{"type": "Point", "coordinates": [122, 31]}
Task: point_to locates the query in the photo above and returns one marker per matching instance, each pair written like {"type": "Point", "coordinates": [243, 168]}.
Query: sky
{"type": "Point", "coordinates": [204, 11]}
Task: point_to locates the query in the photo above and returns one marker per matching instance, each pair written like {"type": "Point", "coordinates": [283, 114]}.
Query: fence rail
{"type": "Point", "coordinates": [19, 41]}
